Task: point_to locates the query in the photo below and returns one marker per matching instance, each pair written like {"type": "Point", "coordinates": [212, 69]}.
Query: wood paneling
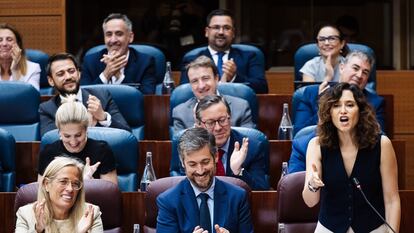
{"type": "Point", "coordinates": [270, 112]}
{"type": "Point", "coordinates": [161, 156]}
{"type": "Point", "coordinates": [42, 23]}
{"type": "Point", "coordinates": [27, 154]}
{"type": "Point", "coordinates": [157, 116]}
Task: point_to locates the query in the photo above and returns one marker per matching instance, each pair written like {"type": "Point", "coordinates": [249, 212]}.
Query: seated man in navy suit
{"type": "Point", "coordinates": [236, 157]}
{"type": "Point", "coordinates": [201, 203]}
{"type": "Point", "coordinates": [233, 64]}
{"type": "Point", "coordinates": [354, 70]}
{"type": "Point", "coordinates": [118, 63]}
{"type": "Point", "coordinates": [203, 77]}
{"type": "Point", "coordinates": [64, 75]}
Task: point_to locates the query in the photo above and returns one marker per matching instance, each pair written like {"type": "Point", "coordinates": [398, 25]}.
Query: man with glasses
{"type": "Point", "coordinates": [235, 157]}
{"type": "Point", "coordinates": [234, 65]}
{"type": "Point", "coordinates": [203, 77]}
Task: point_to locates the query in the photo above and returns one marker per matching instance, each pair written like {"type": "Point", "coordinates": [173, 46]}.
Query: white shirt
{"type": "Point", "coordinates": [210, 201]}
{"type": "Point", "coordinates": [114, 79]}
{"type": "Point", "coordinates": [214, 54]}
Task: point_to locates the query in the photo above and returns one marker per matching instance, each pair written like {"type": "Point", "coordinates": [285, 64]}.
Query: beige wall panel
{"type": "Point", "coordinates": [40, 32]}
{"type": "Point", "coordinates": [31, 7]}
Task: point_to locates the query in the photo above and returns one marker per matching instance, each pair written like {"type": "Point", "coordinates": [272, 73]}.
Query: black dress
{"type": "Point", "coordinates": [96, 150]}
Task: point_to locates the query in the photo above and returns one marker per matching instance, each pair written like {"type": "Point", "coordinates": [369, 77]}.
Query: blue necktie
{"type": "Point", "coordinates": [220, 63]}
{"type": "Point", "coordinates": [205, 221]}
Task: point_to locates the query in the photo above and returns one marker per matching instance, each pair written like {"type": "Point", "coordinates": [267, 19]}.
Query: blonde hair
{"type": "Point", "coordinates": [51, 172]}
{"type": "Point", "coordinates": [71, 111]}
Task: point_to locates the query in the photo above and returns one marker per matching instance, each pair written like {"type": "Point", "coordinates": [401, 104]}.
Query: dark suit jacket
{"type": "Point", "coordinates": [307, 108]}
{"type": "Point", "coordinates": [139, 69]}
{"type": "Point", "coordinates": [241, 115]}
{"type": "Point", "coordinates": [255, 165]}
{"type": "Point", "coordinates": [178, 210]}
{"type": "Point", "coordinates": [47, 110]}
{"type": "Point", "coordinates": [249, 69]}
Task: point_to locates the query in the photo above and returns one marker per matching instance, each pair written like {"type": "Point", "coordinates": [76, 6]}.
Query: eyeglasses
{"type": "Point", "coordinates": [217, 28]}
{"type": "Point", "coordinates": [330, 39]}
{"type": "Point", "coordinates": [63, 183]}
{"type": "Point", "coordinates": [209, 124]}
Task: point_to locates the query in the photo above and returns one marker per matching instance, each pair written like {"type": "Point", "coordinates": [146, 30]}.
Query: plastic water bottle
{"type": "Point", "coordinates": [284, 169]}
{"type": "Point", "coordinates": [285, 126]}
{"type": "Point", "coordinates": [149, 175]}
{"type": "Point", "coordinates": [168, 82]}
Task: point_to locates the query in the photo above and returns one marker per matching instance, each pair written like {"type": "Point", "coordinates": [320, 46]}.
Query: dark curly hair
{"type": "Point", "coordinates": [367, 128]}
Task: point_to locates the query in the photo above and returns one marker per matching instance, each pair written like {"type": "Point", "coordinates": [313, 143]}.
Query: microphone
{"type": "Point", "coordinates": [358, 186]}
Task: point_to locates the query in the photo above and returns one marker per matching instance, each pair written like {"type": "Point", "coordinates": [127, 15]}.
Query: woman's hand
{"type": "Point", "coordinates": [315, 181]}
{"type": "Point", "coordinates": [39, 210]}
{"type": "Point", "coordinates": [16, 54]}
{"type": "Point", "coordinates": [85, 223]}
{"type": "Point", "coordinates": [89, 170]}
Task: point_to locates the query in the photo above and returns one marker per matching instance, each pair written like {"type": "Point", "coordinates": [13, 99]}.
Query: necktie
{"type": "Point", "coordinates": [220, 63]}
{"type": "Point", "coordinates": [205, 221]}
{"type": "Point", "coordinates": [220, 167]}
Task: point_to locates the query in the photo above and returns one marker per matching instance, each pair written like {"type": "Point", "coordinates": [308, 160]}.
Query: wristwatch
{"type": "Point", "coordinates": [312, 189]}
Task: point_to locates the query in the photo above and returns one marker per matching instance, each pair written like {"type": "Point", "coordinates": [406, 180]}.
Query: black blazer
{"type": "Point", "coordinates": [139, 69]}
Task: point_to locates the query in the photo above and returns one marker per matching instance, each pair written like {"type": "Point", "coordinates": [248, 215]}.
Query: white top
{"type": "Point", "coordinates": [316, 69]}
{"type": "Point", "coordinates": [32, 75]}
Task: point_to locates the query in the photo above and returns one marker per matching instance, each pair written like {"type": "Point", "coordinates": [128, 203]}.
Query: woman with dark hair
{"type": "Point", "coordinates": [14, 65]}
{"type": "Point", "coordinates": [348, 146]}
{"type": "Point", "coordinates": [325, 67]}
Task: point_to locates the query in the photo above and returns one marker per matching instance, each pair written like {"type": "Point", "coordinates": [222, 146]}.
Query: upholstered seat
{"type": "Point", "coordinates": [7, 162]}
{"type": "Point", "coordinates": [42, 59]}
{"type": "Point", "coordinates": [102, 193]}
{"type": "Point", "coordinates": [294, 216]}
{"type": "Point", "coordinates": [19, 104]}
{"type": "Point", "coordinates": [130, 102]}
{"type": "Point", "coordinates": [124, 145]}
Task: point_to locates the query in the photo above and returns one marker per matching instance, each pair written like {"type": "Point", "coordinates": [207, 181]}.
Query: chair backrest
{"type": "Point", "coordinates": [254, 136]}
{"type": "Point", "coordinates": [159, 186]}
{"type": "Point", "coordinates": [124, 145]}
{"type": "Point", "coordinates": [183, 93]}
{"type": "Point", "coordinates": [308, 51]}
{"type": "Point", "coordinates": [7, 161]}
{"type": "Point", "coordinates": [19, 104]}
{"type": "Point", "coordinates": [293, 214]}
{"type": "Point", "coordinates": [244, 47]}
{"type": "Point", "coordinates": [102, 193]}
{"type": "Point", "coordinates": [41, 58]}
{"type": "Point", "coordinates": [130, 102]}
{"type": "Point", "coordinates": [158, 55]}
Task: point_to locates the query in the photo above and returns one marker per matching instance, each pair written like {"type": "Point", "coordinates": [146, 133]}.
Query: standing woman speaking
{"type": "Point", "coordinates": [349, 145]}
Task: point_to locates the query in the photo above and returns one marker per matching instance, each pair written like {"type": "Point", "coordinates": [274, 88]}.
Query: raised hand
{"type": "Point", "coordinates": [95, 108]}
{"type": "Point", "coordinates": [198, 229]}
{"type": "Point", "coordinates": [220, 229]}
{"type": "Point", "coordinates": [85, 223]}
{"type": "Point", "coordinates": [39, 210]}
{"type": "Point", "coordinates": [16, 54]}
{"type": "Point", "coordinates": [114, 63]}
{"type": "Point", "coordinates": [238, 156]}
{"type": "Point", "coordinates": [315, 181]}
{"type": "Point", "coordinates": [89, 170]}
{"type": "Point", "coordinates": [324, 85]}
{"type": "Point", "coordinates": [229, 70]}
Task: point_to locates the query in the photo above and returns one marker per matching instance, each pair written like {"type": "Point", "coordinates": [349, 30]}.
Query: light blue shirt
{"type": "Point", "coordinates": [210, 201]}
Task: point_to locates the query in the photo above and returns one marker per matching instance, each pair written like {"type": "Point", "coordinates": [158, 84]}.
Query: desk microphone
{"type": "Point", "coordinates": [358, 186]}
